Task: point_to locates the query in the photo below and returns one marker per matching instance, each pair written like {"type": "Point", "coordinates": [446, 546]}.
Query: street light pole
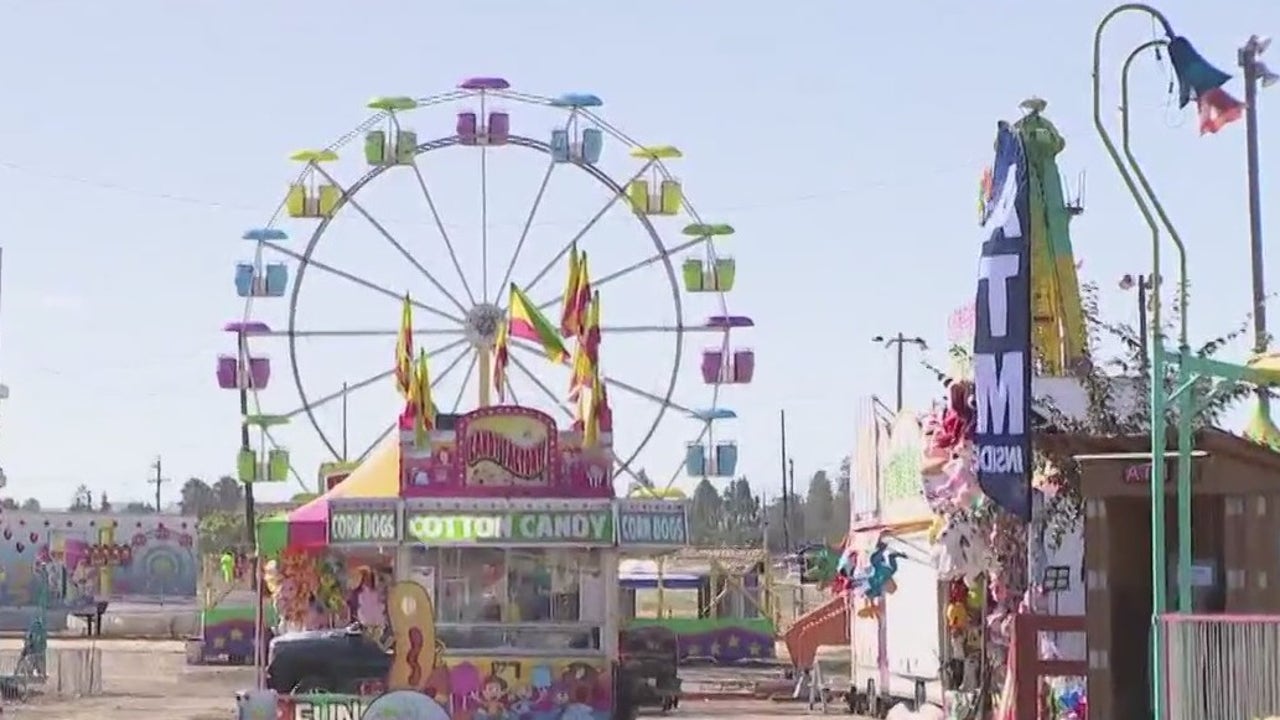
{"type": "Point", "coordinates": [1195, 78]}
{"type": "Point", "coordinates": [898, 342]}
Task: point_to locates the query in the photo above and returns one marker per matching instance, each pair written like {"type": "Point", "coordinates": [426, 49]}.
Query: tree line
{"type": "Point", "coordinates": [737, 516]}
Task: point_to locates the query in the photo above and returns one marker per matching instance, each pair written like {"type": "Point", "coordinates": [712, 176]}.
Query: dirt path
{"type": "Point", "coordinates": [150, 680]}
{"type": "Point", "coordinates": [143, 680]}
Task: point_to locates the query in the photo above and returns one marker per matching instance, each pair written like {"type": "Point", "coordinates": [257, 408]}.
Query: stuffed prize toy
{"type": "Point", "coordinates": [957, 610]}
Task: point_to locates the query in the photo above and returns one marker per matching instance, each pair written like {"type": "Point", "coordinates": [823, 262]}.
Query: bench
{"type": "Point", "coordinates": [92, 618]}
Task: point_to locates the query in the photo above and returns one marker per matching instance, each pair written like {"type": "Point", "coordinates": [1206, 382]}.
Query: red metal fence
{"type": "Point", "coordinates": [1221, 666]}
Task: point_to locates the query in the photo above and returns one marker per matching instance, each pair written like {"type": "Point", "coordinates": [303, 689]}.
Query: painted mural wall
{"type": "Point", "coordinates": [96, 556]}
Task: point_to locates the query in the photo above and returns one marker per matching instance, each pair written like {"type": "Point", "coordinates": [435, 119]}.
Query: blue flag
{"type": "Point", "coordinates": [1002, 333]}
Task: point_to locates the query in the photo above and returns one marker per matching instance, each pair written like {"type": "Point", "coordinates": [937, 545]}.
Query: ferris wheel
{"type": "Point", "coordinates": [423, 181]}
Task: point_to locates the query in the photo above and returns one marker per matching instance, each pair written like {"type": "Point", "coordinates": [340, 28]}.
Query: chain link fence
{"type": "Point", "coordinates": [62, 673]}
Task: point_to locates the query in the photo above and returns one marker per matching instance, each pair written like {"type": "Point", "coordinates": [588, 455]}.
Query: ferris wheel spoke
{"type": "Point", "coordinates": [607, 380]}
{"type": "Point", "coordinates": [377, 441]}
{"type": "Point", "coordinates": [524, 369]}
{"type": "Point", "coordinates": [462, 389]}
{"type": "Point", "coordinates": [624, 329]}
{"type": "Point", "coordinates": [627, 469]}
{"type": "Point", "coordinates": [348, 389]}
{"type": "Point", "coordinates": [357, 333]}
{"type": "Point", "coordinates": [528, 223]}
{"type": "Point", "coordinates": [357, 280]}
{"type": "Point", "coordinates": [350, 199]}
{"type": "Point", "coordinates": [484, 220]}
{"type": "Point", "coordinates": [675, 475]}
{"type": "Point", "coordinates": [444, 234]}
{"type": "Point", "coordinates": [632, 389]}
{"type": "Point", "coordinates": [657, 257]}
{"type": "Point", "coordinates": [585, 229]}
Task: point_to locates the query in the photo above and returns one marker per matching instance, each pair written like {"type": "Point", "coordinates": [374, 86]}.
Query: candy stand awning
{"type": "Point", "coordinates": [378, 477]}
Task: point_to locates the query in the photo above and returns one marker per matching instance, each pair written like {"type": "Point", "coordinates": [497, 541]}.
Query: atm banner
{"type": "Point", "coordinates": [1002, 333]}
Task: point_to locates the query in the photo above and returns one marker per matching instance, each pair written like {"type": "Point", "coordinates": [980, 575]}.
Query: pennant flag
{"type": "Point", "coordinates": [591, 421]}
{"type": "Point", "coordinates": [404, 350]}
{"type": "Point", "coordinates": [580, 371]}
{"type": "Point", "coordinates": [524, 321]}
{"type": "Point", "coordinates": [586, 355]}
{"type": "Point", "coordinates": [604, 414]}
{"type": "Point", "coordinates": [500, 360]}
{"type": "Point", "coordinates": [424, 408]}
{"type": "Point", "coordinates": [582, 294]}
{"type": "Point", "coordinates": [1217, 110]}
{"type": "Point", "coordinates": [591, 330]}
{"type": "Point", "coordinates": [569, 319]}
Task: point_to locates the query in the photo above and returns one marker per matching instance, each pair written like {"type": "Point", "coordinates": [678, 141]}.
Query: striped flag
{"type": "Point", "coordinates": [586, 355]}
{"type": "Point", "coordinates": [525, 321]}
{"type": "Point", "coordinates": [424, 409]}
{"type": "Point", "coordinates": [569, 319]}
{"type": "Point", "coordinates": [500, 360]}
{"type": "Point", "coordinates": [404, 350]}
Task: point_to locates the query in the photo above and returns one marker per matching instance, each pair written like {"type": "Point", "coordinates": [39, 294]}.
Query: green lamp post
{"type": "Point", "coordinates": [1198, 79]}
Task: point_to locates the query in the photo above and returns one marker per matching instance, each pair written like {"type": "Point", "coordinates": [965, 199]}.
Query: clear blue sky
{"type": "Point", "coordinates": [842, 139]}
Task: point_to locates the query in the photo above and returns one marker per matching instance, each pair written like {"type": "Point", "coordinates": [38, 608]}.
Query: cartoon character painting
{"type": "Point", "coordinates": [493, 699]}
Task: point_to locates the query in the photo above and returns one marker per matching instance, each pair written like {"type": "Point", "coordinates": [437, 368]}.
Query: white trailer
{"type": "Point", "coordinates": [897, 654]}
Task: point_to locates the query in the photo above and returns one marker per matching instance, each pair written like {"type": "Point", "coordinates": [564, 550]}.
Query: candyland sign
{"type": "Point", "coordinates": [507, 446]}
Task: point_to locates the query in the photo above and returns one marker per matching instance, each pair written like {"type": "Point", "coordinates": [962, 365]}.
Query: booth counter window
{"type": "Point", "coordinates": [525, 599]}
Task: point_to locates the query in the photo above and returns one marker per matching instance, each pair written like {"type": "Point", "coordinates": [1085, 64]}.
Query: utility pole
{"type": "Point", "coordinates": [1128, 282]}
{"type": "Point", "coordinates": [158, 480]}
{"type": "Point", "coordinates": [900, 341]}
{"type": "Point", "coordinates": [1255, 73]}
{"type": "Point", "coordinates": [791, 482]}
{"type": "Point", "coordinates": [786, 496]}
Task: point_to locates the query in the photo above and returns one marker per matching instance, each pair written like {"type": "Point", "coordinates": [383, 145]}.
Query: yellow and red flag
{"type": "Point", "coordinates": [525, 321]}
{"type": "Point", "coordinates": [404, 350]}
{"type": "Point", "coordinates": [582, 295]}
{"type": "Point", "coordinates": [500, 360]}
{"type": "Point", "coordinates": [424, 409]}
{"type": "Point", "coordinates": [570, 321]}
{"type": "Point", "coordinates": [586, 355]}
{"type": "Point", "coordinates": [594, 420]}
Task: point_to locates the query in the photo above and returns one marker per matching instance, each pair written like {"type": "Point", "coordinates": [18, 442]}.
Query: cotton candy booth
{"type": "Point", "coordinates": [490, 575]}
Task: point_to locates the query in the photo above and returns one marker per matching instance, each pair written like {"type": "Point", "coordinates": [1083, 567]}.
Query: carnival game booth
{"type": "Point", "coordinates": [320, 591]}
{"type": "Point", "coordinates": [491, 575]}
{"type": "Point", "coordinates": [719, 604]}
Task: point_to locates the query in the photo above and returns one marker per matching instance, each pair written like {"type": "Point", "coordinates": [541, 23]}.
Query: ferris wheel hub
{"type": "Point", "coordinates": [482, 324]}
